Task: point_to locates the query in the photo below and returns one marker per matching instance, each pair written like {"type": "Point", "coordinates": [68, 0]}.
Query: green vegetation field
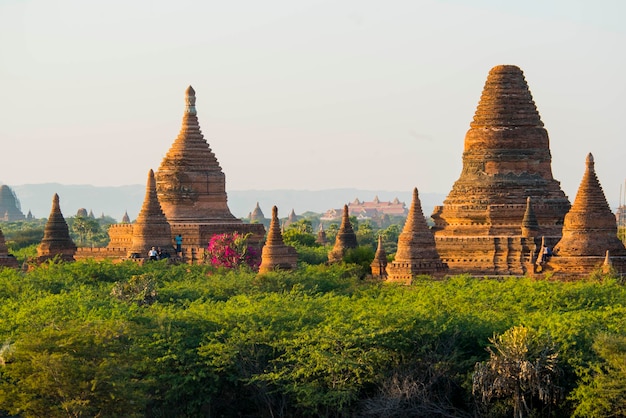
{"type": "Point", "coordinates": [100, 339]}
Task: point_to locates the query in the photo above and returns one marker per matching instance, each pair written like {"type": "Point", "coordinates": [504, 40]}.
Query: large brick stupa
{"type": "Point", "coordinates": [506, 159]}
{"type": "Point", "coordinates": [191, 187]}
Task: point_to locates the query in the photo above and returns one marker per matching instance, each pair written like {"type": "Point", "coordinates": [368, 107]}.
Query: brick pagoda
{"type": "Point", "coordinates": [345, 240]}
{"type": "Point", "coordinates": [589, 232]}
{"type": "Point", "coordinates": [506, 159]}
{"type": "Point", "coordinates": [416, 254]}
{"type": "Point", "coordinates": [276, 255]}
{"type": "Point", "coordinates": [56, 240]}
{"type": "Point", "coordinates": [151, 228]}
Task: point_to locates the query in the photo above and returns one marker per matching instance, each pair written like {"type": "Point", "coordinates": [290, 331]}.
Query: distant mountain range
{"type": "Point", "coordinates": [114, 201]}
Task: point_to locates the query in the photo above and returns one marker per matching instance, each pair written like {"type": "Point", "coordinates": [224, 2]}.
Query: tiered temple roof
{"type": "Point", "coordinates": [416, 252]}
{"type": "Point", "coordinates": [275, 254]}
{"type": "Point", "coordinates": [151, 228]}
{"type": "Point", "coordinates": [589, 230]}
{"type": "Point", "coordinates": [190, 182]}
{"type": "Point", "coordinates": [56, 237]}
{"type": "Point", "coordinates": [345, 240]}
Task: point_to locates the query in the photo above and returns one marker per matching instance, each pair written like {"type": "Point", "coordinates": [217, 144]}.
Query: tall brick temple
{"type": "Point", "coordinates": [506, 160]}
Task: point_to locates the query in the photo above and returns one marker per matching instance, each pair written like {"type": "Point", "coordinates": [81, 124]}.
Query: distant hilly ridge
{"type": "Point", "coordinates": [114, 201]}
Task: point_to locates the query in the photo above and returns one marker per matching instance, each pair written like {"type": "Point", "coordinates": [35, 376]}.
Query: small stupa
{"type": "Point", "coordinates": [151, 228]}
{"type": "Point", "coordinates": [257, 214]}
{"type": "Point", "coordinates": [6, 259]}
{"type": "Point", "coordinates": [275, 254]}
{"type": "Point", "coordinates": [345, 240]}
{"type": "Point", "coordinates": [416, 252]}
{"type": "Point", "coordinates": [530, 226]}
{"type": "Point", "coordinates": [291, 219]}
{"type": "Point", "coordinates": [126, 218]}
{"type": "Point", "coordinates": [56, 240]}
{"type": "Point", "coordinates": [379, 264]}
{"type": "Point", "coordinates": [321, 236]}
{"type": "Point", "coordinates": [589, 230]}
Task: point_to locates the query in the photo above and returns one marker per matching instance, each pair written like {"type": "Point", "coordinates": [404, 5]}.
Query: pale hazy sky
{"type": "Point", "coordinates": [301, 94]}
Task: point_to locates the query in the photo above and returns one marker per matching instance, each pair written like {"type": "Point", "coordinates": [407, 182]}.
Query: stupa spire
{"type": "Point", "coordinates": [151, 229]}
{"type": "Point", "coordinates": [530, 227]}
{"type": "Point", "coordinates": [56, 239]}
{"type": "Point", "coordinates": [379, 264]}
{"type": "Point", "coordinates": [416, 248]}
{"type": "Point", "coordinates": [275, 254]}
{"type": "Point", "coordinates": [190, 101]}
{"type": "Point", "coordinates": [321, 235]}
{"type": "Point", "coordinates": [345, 240]}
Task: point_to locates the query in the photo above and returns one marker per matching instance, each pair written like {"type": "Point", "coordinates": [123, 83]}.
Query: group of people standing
{"type": "Point", "coordinates": [157, 253]}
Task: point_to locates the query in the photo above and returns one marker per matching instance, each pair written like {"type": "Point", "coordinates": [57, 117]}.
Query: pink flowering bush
{"type": "Point", "coordinates": [232, 250]}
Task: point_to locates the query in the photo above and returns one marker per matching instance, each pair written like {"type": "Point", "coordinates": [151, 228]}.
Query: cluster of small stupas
{"type": "Point", "coordinates": [502, 213]}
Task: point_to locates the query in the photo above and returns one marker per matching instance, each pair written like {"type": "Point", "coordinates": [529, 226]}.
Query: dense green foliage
{"type": "Point", "coordinates": [102, 339]}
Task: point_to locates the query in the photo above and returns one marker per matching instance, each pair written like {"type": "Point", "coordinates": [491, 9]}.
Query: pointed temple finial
{"type": "Point", "coordinates": [275, 254]}
{"type": "Point", "coordinates": [345, 240]}
{"type": "Point", "coordinates": [530, 226]}
{"type": "Point", "coordinates": [151, 229]}
{"type": "Point", "coordinates": [190, 101]}
{"type": "Point", "coordinates": [379, 264]}
{"type": "Point", "coordinates": [589, 161]}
